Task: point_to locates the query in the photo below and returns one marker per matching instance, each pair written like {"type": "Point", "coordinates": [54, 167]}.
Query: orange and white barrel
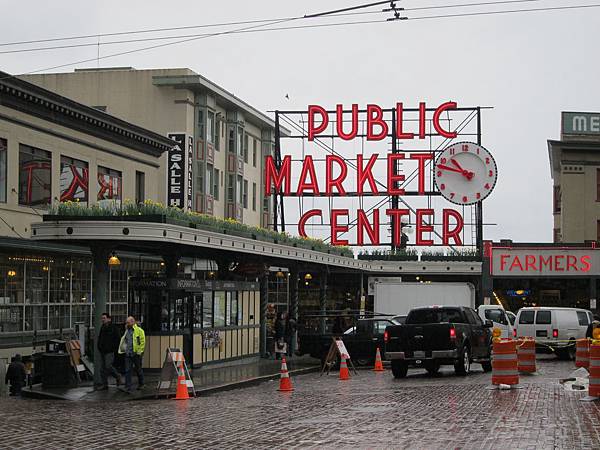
{"type": "Point", "coordinates": [594, 390]}
{"type": "Point", "coordinates": [526, 356]}
{"type": "Point", "coordinates": [582, 355]}
{"type": "Point", "coordinates": [504, 362]}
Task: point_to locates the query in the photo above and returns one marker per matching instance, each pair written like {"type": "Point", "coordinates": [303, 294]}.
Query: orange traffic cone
{"type": "Point", "coordinates": [344, 373]}
{"type": "Point", "coordinates": [182, 388]}
{"type": "Point", "coordinates": [285, 383]}
{"type": "Point", "coordinates": [378, 364]}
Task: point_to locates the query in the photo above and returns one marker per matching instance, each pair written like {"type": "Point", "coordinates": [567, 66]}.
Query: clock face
{"type": "Point", "coordinates": [465, 173]}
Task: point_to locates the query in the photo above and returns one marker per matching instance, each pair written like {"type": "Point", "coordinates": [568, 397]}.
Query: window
{"type": "Point", "coordinates": [381, 325]}
{"type": "Point", "coordinates": [73, 180]}
{"type": "Point", "coordinates": [216, 184]}
{"type": "Point", "coordinates": [253, 196]}
{"type": "Point", "coordinates": [35, 176]}
{"type": "Point", "coordinates": [245, 194]}
{"type": "Point", "coordinates": [110, 184]}
{"type": "Point", "coordinates": [219, 309]}
{"type": "Point", "coordinates": [472, 317]}
{"type": "Point", "coordinates": [582, 317]}
{"type": "Point", "coordinates": [232, 308]}
{"type": "Point", "coordinates": [240, 192]}
{"type": "Point", "coordinates": [246, 139]}
{"type": "Point", "coordinates": [496, 315]}
{"type": "Point", "coordinates": [3, 161]}
{"type": "Point", "coordinates": [557, 198]}
{"type": "Point", "coordinates": [543, 318]}
{"type": "Point", "coordinates": [240, 148]}
{"type": "Point", "coordinates": [209, 179]}
{"type": "Point", "coordinates": [435, 315]}
{"type": "Point", "coordinates": [140, 187]}
{"type": "Point", "coordinates": [598, 185]}
{"type": "Point", "coordinates": [598, 230]}
{"type": "Point", "coordinates": [210, 127]}
{"type": "Point", "coordinates": [526, 317]}
{"type": "Point", "coordinates": [230, 183]}
{"type": "Point", "coordinates": [217, 140]}
{"type": "Point", "coordinates": [254, 154]}
{"type": "Point", "coordinates": [207, 309]}
{"type": "Point", "coordinates": [266, 203]}
{"type": "Point", "coordinates": [201, 123]}
{"type": "Point", "coordinates": [231, 142]}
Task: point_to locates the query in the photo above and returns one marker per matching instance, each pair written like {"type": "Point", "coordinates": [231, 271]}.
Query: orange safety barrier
{"type": "Point", "coordinates": [582, 355]}
{"type": "Point", "coordinates": [526, 356]}
{"type": "Point", "coordinates": [344, 372]}
{"type": "Point", "coordinates": [504, 362]}
{"type": "Point", "coordinates": [182, 387]}
{"type": "Point", "coordinates": [594, 389]}
{"type": "Point", "coordinates": [285, 383]}
{"type": "Point", "coordinates": [378, 363]}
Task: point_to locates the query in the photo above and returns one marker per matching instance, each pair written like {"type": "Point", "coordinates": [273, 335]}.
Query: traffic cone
{"type": "Point", "coordinates": [378, 364]}
{"type": "Point", "coordinates": [285, 383]}
{"type": "Point", "coordinates": [182, 388]}
{"type": "Point", "coordinates": [344, 373]}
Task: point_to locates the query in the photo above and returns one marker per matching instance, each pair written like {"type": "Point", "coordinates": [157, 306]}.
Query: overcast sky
{"type": "Point", "coordinates": [529, 67]}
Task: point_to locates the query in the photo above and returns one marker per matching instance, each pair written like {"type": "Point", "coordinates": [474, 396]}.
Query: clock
{"type": "Point", "coordinates": [465, 173]}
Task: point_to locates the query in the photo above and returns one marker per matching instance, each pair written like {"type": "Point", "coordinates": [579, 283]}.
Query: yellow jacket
{"type": "Point", "coordinates": [139, 341]}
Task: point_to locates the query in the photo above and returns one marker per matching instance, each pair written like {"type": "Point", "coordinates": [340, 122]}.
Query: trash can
{"type": "Point", "coordinates": [58, 371]}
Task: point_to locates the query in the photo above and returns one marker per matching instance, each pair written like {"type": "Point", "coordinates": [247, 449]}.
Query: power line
{"type": "Point", "coordinates": [261, 21]}
{"type": "Point", "coordinates": [252, 29]}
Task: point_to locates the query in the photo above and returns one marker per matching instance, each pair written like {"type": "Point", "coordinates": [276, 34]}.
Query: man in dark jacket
{"type": "Point", "coordinates": [16, 375]}
{"type": "Point", "coordinates": [108, 344]}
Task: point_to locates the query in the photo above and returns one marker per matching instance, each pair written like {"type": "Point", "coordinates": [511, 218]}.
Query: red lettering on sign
{"type": "Point", "coordinates": [312, 130]}
{"type": "Point", "coordinates": [340, 122]}
{"type": "Point", "coordinates": [399, 119]}
{"type": "Point", "coordinates": [572, 263]}
{"type": "Point", "coordinates": [308, 170]}
{"type": "Point", "coordinates": [436, 120]}
{"type": "Point", "coordinates": [454, 234]}
{"type": "Point", "coordinates": [421, 157]}
{"type": "Point", "coordinates": [545, 262]}
{"type": "Point", "coordinates": [335, 228]}
{"type": "Point", "coordinates": [423, 227]}
{"type": "Point", "coordinates": [516, 262]}
{"type": "Point", "coordinates": [365, 174]}
{"type": "Point", "coordinates": [277, 178]}
{"type": "Point", "coordinates": [331, 182]}
{"type": "Point", "coordinates": [307, 215]}
{"type": "Point", "coordinates": [422, 113]}
{"type": "Point", "coordinates": [558, 260]}
{"type": "Point", "coordinates": [362, 224]}
{"type": "Point", "coordinates": [586, 265]}
{"type": "Point", "coordinates": [392, 177]}
{"type": "Point", "coordinates": [375, 117]}
{"type": "Point", "coordinates": [530, 263]}
{"type": "Point", "coordinates": [396, 216]}
{"type": "Point", "coordinates": [503, 259]}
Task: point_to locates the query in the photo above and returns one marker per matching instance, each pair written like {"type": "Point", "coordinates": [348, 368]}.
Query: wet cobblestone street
{"type": "Point", "coordinates": [372, 410]}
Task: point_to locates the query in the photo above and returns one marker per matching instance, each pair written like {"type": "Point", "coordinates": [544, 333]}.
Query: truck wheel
{"type": "Point", "coordinates": [463, 364]}
{"type": "Point", "coordinates": [399, 369]}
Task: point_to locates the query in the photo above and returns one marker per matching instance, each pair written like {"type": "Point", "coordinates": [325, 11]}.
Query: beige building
{"type": "Point", "coordinates": [575, 166]}
{"type": "Point", "coordinates": [224, 138]}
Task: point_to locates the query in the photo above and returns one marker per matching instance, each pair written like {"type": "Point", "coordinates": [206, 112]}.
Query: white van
{"type": "Point", "coordinates": [555, 328]}
{"type": "Point", "coordinates": [499, 318]}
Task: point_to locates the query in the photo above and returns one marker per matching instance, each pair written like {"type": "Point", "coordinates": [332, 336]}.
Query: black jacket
{"type": "Point", "coordinates": [108, 341]}
{"type": "Point", "coordinates": [15, 373]}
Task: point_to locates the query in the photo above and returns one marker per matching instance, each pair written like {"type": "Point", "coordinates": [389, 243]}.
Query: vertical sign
{"type": "Point", "coordinates": [190, 177]}
{"type": "Point", "coordinates": [176, 171]}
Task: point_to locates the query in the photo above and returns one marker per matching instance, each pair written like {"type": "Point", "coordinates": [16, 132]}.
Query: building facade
{"type": "Point", "coordinates": [575, 168]}
{"type": "Point", "coordinates": [223, 139]}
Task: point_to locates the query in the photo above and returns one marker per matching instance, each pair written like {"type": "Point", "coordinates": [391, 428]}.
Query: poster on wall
{"type": "Point", "coordinates": [179, 171]}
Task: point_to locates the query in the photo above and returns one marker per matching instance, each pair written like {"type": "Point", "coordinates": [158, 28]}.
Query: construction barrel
{"type": "Point", "coordinates": [582, 355]}
{"type": "Point", "coordinates": [526, 355]}
{"type": "Point", "coordinates": [504, 362]}
{"type": "Point", "coordinates": [594, 389]}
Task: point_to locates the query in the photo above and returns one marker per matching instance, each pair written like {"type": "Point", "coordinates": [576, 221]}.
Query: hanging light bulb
{"type": "Point", "coordinates": [114, 260]}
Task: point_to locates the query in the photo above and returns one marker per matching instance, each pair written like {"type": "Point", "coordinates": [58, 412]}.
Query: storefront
{"type": "Point", "coordinates": [545, 275]}
{"type": "Point", "coordinates": [210, 320]}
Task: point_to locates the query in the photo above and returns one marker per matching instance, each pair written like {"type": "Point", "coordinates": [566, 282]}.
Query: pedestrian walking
{"type": "Point", "coordinates": [16, 375]}
{"type": "Point", "coordinates": [108, 344]}
{"type": "Point", "coordinates": [290, 333]}
{"type": "Point", "coordinates": [132, 345]}
{"type": "Point", "coordinates": [280, 335]}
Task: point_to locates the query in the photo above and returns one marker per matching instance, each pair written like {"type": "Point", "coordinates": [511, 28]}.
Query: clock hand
{"type": "Point", "coordinates": [450, 169]}
{"type": "Point", "coordinates": [466, 173]}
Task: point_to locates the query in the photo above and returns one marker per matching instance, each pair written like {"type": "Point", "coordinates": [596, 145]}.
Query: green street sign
{"type": "Point", "coordinates": [580, 123]}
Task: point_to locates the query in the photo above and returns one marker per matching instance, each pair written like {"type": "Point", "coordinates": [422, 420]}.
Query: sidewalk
{"type": "Point", "coordinates": [206, 380]}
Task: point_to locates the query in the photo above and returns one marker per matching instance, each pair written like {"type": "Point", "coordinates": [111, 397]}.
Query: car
{"type": "Point", "coordinates": [512, 317]}
{"type": "Point", "coordinates": [399, 320]}
{"type": "Point", "coordinates": [499, 318]}
{"type": "Point", "coordinates": [439, 335]}
{"type": "Point", "coordinates": [554, 328]}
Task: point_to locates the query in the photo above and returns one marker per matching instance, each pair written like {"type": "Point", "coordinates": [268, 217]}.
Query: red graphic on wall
{"type": "Point", "coordinates": [33, 178]}
{"type": "Point", "coordinates": [74, 182]}
{"type": "Point", "coordinates": [110, 187]}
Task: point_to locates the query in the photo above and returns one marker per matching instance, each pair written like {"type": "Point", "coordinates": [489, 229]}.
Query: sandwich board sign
{"type": "Point", "coordinates": [337, 349]}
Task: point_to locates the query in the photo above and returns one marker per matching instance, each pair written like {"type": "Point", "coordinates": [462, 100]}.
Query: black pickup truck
{"type": "Point", "coordinates": [436, 336]}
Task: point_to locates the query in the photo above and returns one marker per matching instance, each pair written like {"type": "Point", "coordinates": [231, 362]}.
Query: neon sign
{"type": "Point", "coordinates": [459, 176]}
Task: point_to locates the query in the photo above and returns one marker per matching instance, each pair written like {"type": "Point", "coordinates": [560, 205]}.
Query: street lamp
{"type": "Point", "coordinates": [114, 260]}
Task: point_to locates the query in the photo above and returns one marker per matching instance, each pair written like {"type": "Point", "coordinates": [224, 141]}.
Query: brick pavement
{"type": "Point", "coordinates": [369, 411]}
